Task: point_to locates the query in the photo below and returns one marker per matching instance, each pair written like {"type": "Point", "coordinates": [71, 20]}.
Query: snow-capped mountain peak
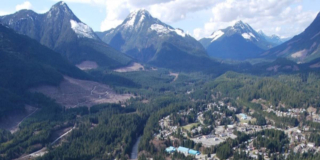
{"type": "Point", "coordinates": [61, 14]}
{"type": "Point", "coordinates": [60, 8]}
{"type": "Point", "coordinates": [245, 42]}
{"type": "Point", "coordinates": [245, 31]}
{"type": "Point", "coordinates": [141, 20]}
{"type": "Point", "coordinates": [143, 36]}
{"type": "Point", "coordinates": [137, 18]}
{"type": "Point", "coordinates": [242, 27]}
{"type": "Point", "coordinates": [240, 24]}
{"type": "Point", "coordinates": [140, 12]}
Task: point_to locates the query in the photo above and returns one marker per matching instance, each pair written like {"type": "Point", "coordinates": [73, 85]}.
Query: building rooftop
{"type": "Point", "coordinates": [170, 149]}
{"type": "Point", "coordinates": [183, 149]}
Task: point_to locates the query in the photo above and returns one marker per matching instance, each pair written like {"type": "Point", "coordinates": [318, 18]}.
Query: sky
{"type": "Point", "coordinates": [199, 18]}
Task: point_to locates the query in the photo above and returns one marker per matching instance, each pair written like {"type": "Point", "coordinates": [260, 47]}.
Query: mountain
{"type": "Point", "coordinates": [273, 38]}
{"type": "Point", "coordinates": [60, 30]}
{"type": "Point", "coordinates": [301, 48]}
{"type": "Point", "coordinates": [280, 65]}
{"type": "Point", "coordinates": [25, 63]}
{"type": "Point", "coordinates": [238, 42]}
{"type": "Point", "coordinates": [144, 37]}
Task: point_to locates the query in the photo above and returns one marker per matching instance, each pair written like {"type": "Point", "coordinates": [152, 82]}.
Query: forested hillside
{"type": "Point", "coordinates": [24, 64]}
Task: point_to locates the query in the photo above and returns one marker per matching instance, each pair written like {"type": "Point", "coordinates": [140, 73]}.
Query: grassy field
{"type": "Point", "coordinates": [189, 126]}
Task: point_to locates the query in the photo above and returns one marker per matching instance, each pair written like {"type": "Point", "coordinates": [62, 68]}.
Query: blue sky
{"type": "Point", "coordinates": [199, 18]}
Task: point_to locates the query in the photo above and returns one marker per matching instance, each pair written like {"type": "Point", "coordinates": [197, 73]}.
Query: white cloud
{"type": "Point", "coordinates": [116, 13]}
{"type": "Point", "coordinates": [147, 2]}
{"type": "Point", "coordinates": [94, 2]}
{"type": "Point", "coordinates": [197, 33]}
{"type": "Point", "coordinates": [166, 10]}
{"type": "Point", "coordinates": [177, 10]}
{"type": "Point", "coordinates": [24, 5]}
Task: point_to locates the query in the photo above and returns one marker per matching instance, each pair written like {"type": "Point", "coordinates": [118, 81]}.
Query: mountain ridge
{"type": "Point", "coordinates": [141, 36]}
{"type": "Point", "coordinates": [62, 31]}
{"type": "Point", "coordinates": [274, 38]}
{"type": "Point", "coordinates": [302, 48]}
{"type": "Point", "coordinates": [238, 42]}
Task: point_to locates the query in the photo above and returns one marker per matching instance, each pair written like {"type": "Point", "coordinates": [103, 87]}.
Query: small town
{"type": "Point", "coordinates": [224, 127]}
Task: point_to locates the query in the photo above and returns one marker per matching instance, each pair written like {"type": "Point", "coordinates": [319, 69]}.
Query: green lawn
{"type": "Point", "coordinates": [189, 126]}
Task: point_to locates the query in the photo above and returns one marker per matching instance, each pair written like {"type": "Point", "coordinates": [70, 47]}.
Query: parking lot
{"type": "Point", "coordinates": [212, 141]}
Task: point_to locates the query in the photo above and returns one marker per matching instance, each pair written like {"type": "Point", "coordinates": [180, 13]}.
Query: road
{"type": "Point", "coordinates": [43, 150]}
{"type": "Point", "coordinates": [135, 151]}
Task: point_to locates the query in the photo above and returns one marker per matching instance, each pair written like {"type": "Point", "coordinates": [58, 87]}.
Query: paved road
{"type": "Point", "coordinates": [43, 151]}
{"type": "Point", "coordinates": [135, 151]}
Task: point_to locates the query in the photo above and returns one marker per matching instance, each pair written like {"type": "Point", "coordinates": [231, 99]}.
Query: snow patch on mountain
{"type": "Point", "coordinates": [142, 18]}
{"type": "Point", "coordinates": [243, 26]}
{"type": "Point", "coordinates": [216, 35]}
{"type": "Point", "coordinates": [161, 29]}
{"type": "Point", "coordinates": [180, 32]}
{"type": "Point", "coordinates": [252, 35]}
{"type": "Point", "coordinates": [141, 14]}
{"type": "Point", "coordinates": [132, 19]}
{"type": "Point", "coordinates": [248, 36]}
{"type": "Point", "coordinates": [82, 30]}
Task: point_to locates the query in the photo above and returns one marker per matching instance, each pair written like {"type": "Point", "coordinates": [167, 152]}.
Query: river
{"type": "Point", "coordinates": [134, 152]}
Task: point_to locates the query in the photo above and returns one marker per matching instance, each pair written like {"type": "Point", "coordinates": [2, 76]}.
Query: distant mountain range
{"type": "Point", "coordinates": [274, 39]}
{"type": "Point", "coordinates": [60, 30]}
{"type": "Point", "coordinates": [301, 48]}
{"type": "Point", "coordinates": [238, 42]}
{"type": "Point", "coordinates": [147, 39]}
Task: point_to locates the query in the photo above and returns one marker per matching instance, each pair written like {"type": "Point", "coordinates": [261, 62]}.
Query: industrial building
{"type": "Point", "coordinates": [243, 116]}
{"type": "Point", "coordinates": [188, 151]}
{"type": "Point", "coordinates": [170, 149]}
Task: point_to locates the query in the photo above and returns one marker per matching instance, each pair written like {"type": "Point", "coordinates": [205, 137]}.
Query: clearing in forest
{"type": "Point", "coordinates": [73, 93]}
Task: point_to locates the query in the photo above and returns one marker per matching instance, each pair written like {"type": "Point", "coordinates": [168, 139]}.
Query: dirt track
{"type": "Point", "coordinates": [74, 93]}
{"type": "Point", "coordinates": [176, 75]}
{"type": "Point", "coordinates": [87, 65]}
